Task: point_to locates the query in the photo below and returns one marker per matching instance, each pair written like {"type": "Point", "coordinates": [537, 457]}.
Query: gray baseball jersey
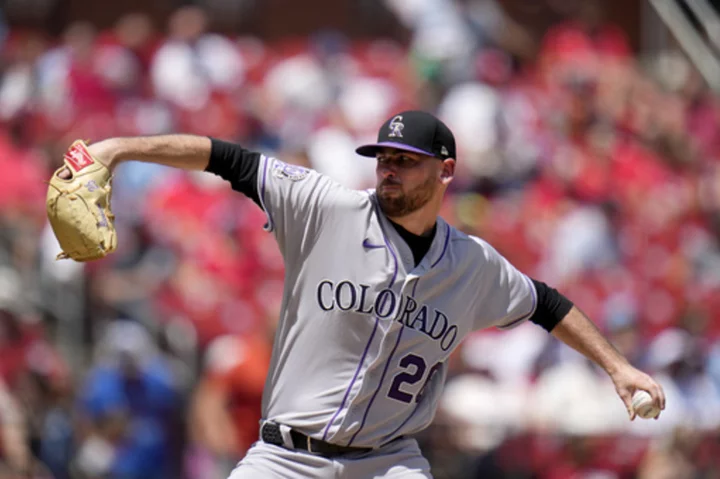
{"type": "Point", "coordinates": [364, 335]}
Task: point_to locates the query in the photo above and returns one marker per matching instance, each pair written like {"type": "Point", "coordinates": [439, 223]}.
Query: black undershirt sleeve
{"type": "Point", "coordinates": [552, 306]}
{"type": "Point", "coordinates": [237, 165]}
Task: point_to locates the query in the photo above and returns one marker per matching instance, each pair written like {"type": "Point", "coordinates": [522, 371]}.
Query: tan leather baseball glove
{"type": "Point", "coordinates": [78, 207]}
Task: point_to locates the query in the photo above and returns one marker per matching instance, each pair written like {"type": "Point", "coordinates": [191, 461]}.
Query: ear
{"type": "Point", "coordinates": [448, 171]}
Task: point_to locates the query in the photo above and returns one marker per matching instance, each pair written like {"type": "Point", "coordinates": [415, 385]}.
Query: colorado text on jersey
{"type": "Point", "coordinates": [351, 297]}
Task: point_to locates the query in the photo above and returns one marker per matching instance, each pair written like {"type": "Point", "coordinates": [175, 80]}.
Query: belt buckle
{"type": "Point", "coordinates": [308, 441]}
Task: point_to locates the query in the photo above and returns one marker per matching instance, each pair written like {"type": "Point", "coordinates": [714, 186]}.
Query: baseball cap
{"type": "Point", "coordinates": [415, 131]}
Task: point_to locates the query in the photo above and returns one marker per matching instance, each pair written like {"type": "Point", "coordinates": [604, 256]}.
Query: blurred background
{"type": "Point", "coordinates": [589, 155]}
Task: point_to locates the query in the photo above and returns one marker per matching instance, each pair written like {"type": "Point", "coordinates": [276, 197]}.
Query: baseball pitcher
{"type": "Point", "coordinates": [379, 291]}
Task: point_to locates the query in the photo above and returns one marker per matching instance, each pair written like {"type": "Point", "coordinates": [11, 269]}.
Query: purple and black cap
{"type": "Point", "coordinates": [415, 131]}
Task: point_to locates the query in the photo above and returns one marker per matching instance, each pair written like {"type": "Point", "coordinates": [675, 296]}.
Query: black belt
{"type": "Point", "coordinates": [270, 433]}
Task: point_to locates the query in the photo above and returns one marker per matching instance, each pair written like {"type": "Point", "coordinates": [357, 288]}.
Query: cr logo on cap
{"type": "Point", "coordinates": [396, 127]}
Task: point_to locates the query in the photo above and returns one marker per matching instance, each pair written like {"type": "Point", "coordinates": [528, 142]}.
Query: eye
{"type": "Point", "coordinates": [405, 161]}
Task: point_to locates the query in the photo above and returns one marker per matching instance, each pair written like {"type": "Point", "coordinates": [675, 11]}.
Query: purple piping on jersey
{"type": "Point", "coordinates": [415, 287]}
{"type": "Point", "coordinates": [447, 239]}
{"type": "Point", "coordinates": [357, 371]}
{"type": "Point", "coordinates": [367, 348]}
{"type": "Point", "coordinates": [368, 245]}
{"type": "Point", "coordinates": [269, 225]}
{"type": "Point", "coordinates": [392, 434]}
{"type": "Point", "coordinates": [382, 378]}
{"type": "Point", "coordinates": [412, 413]}
{"type": "Point", "coordinates": [532, 308]}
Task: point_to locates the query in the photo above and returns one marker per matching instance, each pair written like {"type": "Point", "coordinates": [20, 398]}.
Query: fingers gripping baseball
{"type": "Point", "coordinates": [629, 382]}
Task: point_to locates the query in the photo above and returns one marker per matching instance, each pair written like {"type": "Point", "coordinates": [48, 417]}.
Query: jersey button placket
{"type": "Point", "coordinates": [410, 284]}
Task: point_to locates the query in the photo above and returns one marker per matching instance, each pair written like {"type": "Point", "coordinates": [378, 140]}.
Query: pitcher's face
{"type": "Point", "coordinates": [406, 181]}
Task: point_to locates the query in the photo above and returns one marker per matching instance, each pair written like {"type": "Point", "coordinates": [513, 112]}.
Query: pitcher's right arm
{"type": "Point", "coordinates": [188, 152]}
{"type": "Point", "coordinates": [295, 199]}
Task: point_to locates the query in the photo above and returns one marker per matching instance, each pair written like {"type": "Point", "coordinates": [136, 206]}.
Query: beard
{"type": "Point", "coordinates": [396, 204]}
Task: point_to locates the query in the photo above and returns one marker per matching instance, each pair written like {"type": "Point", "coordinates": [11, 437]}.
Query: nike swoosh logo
{"type": "Point", "coordinates": [368, 245]}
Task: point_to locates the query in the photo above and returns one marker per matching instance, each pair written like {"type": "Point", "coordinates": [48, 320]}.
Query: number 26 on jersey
{"type": "Point", "coordinates": [415, 367]}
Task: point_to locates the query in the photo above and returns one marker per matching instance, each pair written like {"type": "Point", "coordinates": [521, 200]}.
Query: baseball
{"type": "Point", "coordinates": [643, 405]}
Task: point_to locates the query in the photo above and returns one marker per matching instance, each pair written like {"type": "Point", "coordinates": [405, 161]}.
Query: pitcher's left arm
{"type": "Point", "coordinates": [580, 333]}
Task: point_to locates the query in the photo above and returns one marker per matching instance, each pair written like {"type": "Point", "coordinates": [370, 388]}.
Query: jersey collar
{"type": "Point", "coordinates": [434, 256]}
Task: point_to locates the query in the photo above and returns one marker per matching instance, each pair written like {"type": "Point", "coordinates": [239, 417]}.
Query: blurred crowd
{"type": "Point", "coordinates": [590, 167]}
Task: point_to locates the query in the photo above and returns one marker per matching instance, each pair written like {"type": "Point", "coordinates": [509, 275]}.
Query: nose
{"type": "Point", "coordinates": [386, 170]}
